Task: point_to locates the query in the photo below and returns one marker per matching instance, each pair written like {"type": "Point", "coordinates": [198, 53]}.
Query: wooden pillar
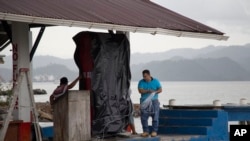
{"type": "Point", "coordinates": [72, 117]}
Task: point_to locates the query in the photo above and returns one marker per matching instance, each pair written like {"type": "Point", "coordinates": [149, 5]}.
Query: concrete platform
{"type": "Point", "coordinates": [183, 138]}
{"type": "Point", "coordinates": [158, 138]}
{"type": "Point", "coordinates": [47, 132]}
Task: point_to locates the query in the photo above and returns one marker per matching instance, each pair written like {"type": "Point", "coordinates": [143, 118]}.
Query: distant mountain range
{"type": "Point", "coordinates": [45, 68]}
{"type": "Point", "coordinates": [220, 63]}
{"type": "Point", "coordinates": [221, 69]}
{"type": "Point", "coordinates": [43, 61]}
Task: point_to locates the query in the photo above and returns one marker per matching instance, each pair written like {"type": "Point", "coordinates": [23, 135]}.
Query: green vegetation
{"type": "Point", "coordinates": [5, 96]}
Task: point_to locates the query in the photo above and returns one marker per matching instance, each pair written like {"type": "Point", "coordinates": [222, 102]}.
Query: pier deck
{"type": "Point", "coordinates": [158, 138]}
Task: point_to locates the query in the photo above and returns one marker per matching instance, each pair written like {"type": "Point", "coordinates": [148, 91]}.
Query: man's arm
{"type": "Point", "coordinates": [142, 91]}
{"type": "Point", "coordinates": [72, 84]}
{"type": "Point", "coordinates": [159, 90]}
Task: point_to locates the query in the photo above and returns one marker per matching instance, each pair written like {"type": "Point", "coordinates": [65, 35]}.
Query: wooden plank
{"type": "Point", "coordinates": [60, 119]}
{"type": "Point", "coordinates": [72, 117]}
{"type": "Point", "coordinates": [45, 115]}
{"type": "Point", "coordinates": [33, 107]}
{"type": "Point", "coordinates": [79, 116]}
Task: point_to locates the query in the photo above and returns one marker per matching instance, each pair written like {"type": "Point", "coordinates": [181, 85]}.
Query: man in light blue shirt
{"type": "Point", "coordinates": [149, 88]}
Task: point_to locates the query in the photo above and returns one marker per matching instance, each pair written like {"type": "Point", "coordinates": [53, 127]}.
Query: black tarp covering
{"type": "Point", "coordinates": [110, 80]}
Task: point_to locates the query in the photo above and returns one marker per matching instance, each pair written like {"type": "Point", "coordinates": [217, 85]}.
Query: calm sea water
{"type": "Point", "coordinates": [183, 92]}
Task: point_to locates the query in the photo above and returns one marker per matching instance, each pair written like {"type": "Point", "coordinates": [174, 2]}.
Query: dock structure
{"type": "Point", "coordinates": [18, 17]}
{"type": "Point", "coordinates": [210, 124]}
{"type": "Point", "coordinates": [72, 117]}
{"type": "Point", "coordinates": [159, 138]}
{"type": "Point", "coordinates": [192, 123]}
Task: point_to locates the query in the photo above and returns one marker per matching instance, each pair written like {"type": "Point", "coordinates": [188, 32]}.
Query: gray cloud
{"type": "Point", "coordinates": [222, 11]}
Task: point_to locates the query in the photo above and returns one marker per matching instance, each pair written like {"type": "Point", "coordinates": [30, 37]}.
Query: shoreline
{"type": "Point", "coordinates": [46, 113]}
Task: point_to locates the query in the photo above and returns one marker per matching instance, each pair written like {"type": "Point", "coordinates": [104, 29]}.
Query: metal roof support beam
{"type": "Point", "coordinates": [124, 32]}
{"type": "Point", "coordinates": [111, 32]}
{"type": "Point", "coordinates": [4, 45]}
{"type": "Point", "coordinates": [7, 29]}
{"type": "Point", "coordinates": [38, 39]}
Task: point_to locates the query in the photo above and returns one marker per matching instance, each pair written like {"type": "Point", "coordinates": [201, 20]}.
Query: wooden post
{"type": "Point", "coordinates": [72, 117]}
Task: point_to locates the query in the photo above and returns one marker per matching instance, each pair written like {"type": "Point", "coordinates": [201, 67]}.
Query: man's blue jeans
{"type": "Point", "coordinates": [154, 113]}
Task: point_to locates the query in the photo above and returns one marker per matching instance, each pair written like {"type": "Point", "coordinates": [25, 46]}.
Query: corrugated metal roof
{"type": "Point", "coordinates": [124, 15]}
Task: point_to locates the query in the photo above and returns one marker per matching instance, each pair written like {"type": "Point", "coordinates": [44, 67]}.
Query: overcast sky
{"type": "Point", "coordinates": [229, 16]}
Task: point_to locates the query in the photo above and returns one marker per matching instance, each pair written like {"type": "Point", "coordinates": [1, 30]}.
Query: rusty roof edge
{"type": "Point", "coordinates": [72, 23]}
{"type": "Point", "coordinates": [192, 34]}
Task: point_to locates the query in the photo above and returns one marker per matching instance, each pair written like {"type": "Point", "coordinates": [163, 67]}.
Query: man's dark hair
{"type": "Point", "coordinates": [63, 80]}
{"type": "Point", "coordinates": [146, 71]}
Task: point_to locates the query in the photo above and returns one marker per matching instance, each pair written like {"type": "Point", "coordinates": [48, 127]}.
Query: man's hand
{"type": "Point", "coordinates": [143, 91]}
{"type": "Point", "coordinates": [80, 76]}
{"type": "Point", "coordinates": [151, 91]}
